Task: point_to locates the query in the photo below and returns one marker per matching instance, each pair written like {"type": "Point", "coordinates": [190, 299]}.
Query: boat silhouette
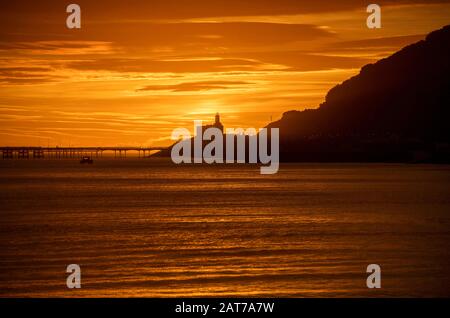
{"type": "Point", "coordinates": [87, 160]}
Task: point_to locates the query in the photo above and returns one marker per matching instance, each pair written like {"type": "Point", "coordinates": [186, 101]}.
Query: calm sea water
{"type": "Point", "coordinates": [149, 228]}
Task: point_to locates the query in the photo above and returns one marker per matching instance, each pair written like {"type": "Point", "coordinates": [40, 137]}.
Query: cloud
{"type": "Point", "coordinates": [305, 62]}
{"type": "Point", "coordinates": [11, 70]}
{"type": "Point", "coordinates": [195, 86]}
{"type": "Point", "coordinates": [389, 42]}
{"type": "Point", "coordinates": [166, 66]}
{"type": "Point", "coordinates": [245, 61]}
{"type": "Point", "coordinates": [55, 48]}
{"type": "Point", "coordinates": [26, 80]}
{"type": "Point", "coordinates": [143, 33]}
{"type": "Point", "coordinates": [26, 75]}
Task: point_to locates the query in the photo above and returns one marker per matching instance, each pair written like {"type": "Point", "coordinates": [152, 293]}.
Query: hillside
{"type": "Point", "coordinates": [394, 110]}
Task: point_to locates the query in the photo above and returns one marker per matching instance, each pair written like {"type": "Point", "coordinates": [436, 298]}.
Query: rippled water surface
{"type": "Point", "coordinates": [149, 228]}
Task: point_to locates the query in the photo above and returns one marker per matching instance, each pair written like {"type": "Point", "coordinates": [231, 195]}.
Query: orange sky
{"type": "Point", "coordinates": [138, 69]}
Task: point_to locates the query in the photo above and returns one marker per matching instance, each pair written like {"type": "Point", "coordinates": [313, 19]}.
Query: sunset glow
{"type": "Point", "coordinates": [138, 69]}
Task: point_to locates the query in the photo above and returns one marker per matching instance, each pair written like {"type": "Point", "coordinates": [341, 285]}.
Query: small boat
{"type": "Point", "coordinates": [87, 160]}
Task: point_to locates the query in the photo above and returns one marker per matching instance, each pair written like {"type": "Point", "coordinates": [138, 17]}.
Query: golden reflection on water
{"type": "Point", "coordinates": [142, 228]}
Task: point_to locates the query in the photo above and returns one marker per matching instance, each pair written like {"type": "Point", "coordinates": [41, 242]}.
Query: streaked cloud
{"type": "Point", "coordinates": [195, 86]}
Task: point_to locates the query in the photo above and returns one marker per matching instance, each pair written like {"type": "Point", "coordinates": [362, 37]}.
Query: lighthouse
{"type": "Point", "coordinates": [217, 123]}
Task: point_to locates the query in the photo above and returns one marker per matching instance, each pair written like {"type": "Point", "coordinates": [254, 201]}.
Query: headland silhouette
{"type": "Point", "coordinates": [395, 110]}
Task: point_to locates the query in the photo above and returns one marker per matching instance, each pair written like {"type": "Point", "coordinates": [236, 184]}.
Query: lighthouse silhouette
{"type": "Point", "coordinates": [217, 123]}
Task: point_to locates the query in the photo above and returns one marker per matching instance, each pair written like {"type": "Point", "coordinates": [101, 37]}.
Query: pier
{"type": "Point", "coordinates": [74, 152]}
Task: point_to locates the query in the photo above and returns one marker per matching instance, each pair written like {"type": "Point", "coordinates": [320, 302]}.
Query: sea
{"type": "Point", "coordinates": [150, 228]}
